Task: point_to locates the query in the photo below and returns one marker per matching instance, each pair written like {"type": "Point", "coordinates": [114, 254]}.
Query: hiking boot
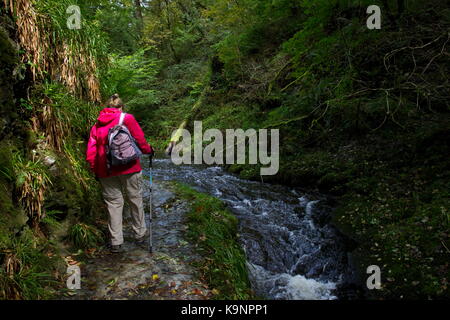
{"type": "Point", "coordinates": [142, 240]}
{"type": "Point", "coordinates": [116, 249]}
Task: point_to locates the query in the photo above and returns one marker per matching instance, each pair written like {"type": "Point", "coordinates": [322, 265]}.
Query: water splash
{"type": "Point", "coordinates": [289, 287]}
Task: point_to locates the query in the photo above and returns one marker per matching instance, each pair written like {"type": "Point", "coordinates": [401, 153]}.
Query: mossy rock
{"type": "Point", "coordinates": [8, 52]}
{"type": "Point", "coordinates": [8, 61]}
{"type": "Point", "coordinates": [12, 216]}
{"type": "Point", "coordinates": [31, 139]}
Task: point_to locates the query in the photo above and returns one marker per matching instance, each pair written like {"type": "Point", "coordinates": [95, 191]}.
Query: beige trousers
{"type": "Point", "coordinates": [112, 188]}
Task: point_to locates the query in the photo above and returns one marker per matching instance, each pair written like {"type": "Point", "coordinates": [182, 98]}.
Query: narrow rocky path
{"type": "Point", "coordinates": [168, 274]}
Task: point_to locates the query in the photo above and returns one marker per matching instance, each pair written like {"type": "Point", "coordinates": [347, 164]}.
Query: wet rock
{"type": "Point", "coordinates": [8, 61]}
{"type": "Point", "coordinates": [321, 217]}
{"type": "Point", "coordinates": [49, 161]}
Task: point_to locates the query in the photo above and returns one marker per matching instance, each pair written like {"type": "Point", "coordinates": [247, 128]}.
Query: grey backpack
{"type": "Point", "coordinates": [121, 148]}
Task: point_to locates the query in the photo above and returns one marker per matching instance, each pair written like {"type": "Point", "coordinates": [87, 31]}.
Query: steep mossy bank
{"type": "Point", "coordinates": [46, 194]}
{"type": "Point", "coordinates": [213, 228]}
{"type": "Point", "coordinates": [46, 189]}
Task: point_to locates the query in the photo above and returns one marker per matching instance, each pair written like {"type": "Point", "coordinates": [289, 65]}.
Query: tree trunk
{"type": "Point", "coordinates": [138, 15]}
{"type": "Point", "coordinates": [138, 10]}
{"type": "Point", "coordinates": [177, 135]}
{"type": "Point", "coordinates": [401, 7]}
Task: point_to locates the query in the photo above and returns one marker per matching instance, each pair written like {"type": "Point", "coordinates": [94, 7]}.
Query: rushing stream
{"type": "Point", "coordinates": [292, 250]}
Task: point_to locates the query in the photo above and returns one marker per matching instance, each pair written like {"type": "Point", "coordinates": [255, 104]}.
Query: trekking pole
{"type": "Point", "coordinates": [150, 168]}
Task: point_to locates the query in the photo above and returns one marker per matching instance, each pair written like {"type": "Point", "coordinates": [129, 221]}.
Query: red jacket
{"type": "Point", "coordinates": [96, 151]}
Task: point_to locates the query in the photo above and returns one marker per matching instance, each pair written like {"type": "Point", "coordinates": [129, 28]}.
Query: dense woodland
{"type": "Point", "coordinates": [363, 117]}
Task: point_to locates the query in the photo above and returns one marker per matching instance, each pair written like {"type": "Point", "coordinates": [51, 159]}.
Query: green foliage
{"type": "Point", "coordinates": [74, 187]}
{"type": "Point", "coordinates": [116, 19]}
{"type": "Point", "coordinates": [51, 218]}
{"type": "Point", "coordinates": [84, 236]}
{"type": "Point", "coordinates": [31, 181]}
{"type": "Point", "coordinates": [351, 105]}
{"type": "Point", "coordinates": [133, 77]}
{"type": "Point", "coordinates": [229, 116]}
{"type": "Point", "coordinates": [26, 268]}
{"type": "Point", "coordinates": [89, 37]}
{"type": "Point", "coordinates": [79, 54]}
{"type": "Point", "coordinates": [75, 115]}
{"type": "Point", "coordinates": [214, 228]}
{"type": "Point", "coordinates": [6, 161]}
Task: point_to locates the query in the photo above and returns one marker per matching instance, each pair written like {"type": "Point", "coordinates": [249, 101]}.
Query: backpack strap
{"type": "Point", "coordinates": [122, 118]}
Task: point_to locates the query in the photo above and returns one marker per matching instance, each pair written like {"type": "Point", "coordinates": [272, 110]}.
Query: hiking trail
{"type": "Point", "coordinates": [168, 274]}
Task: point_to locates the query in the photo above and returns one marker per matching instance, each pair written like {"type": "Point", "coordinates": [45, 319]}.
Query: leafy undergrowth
{"type": "Point", "coordinates": [31, 267]}
{"type": "Point", "coordinates": [214, 229]}
{"type": "Point", "coordinates": [85, 236]}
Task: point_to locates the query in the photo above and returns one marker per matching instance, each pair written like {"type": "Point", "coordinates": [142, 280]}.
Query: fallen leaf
{"type": "Point", "coordinates": [91, 251]}
{"type": "Point", "coordinates": [197, 292]}
{"type": "Point", "coordinates": [215, 292]}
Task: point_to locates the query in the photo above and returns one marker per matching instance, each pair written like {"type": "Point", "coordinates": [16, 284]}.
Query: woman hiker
{"type": "Point", "coordinates": [115, 179]}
